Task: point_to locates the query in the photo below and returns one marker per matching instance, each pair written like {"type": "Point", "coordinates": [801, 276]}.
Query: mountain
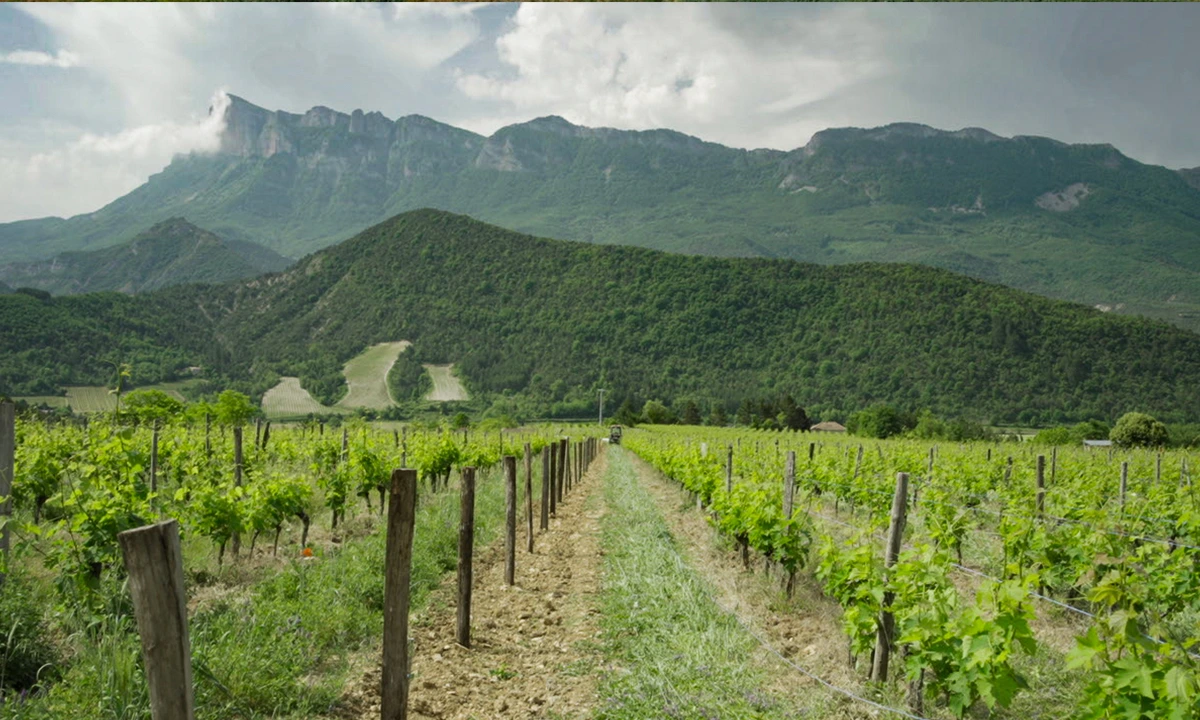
{"type": "Point", "coordinates": [1075, 222]}
{"type": "Point", "coordinates": [548, 322]}
{"type": "Point", "coordinates": [172, 252]}
{"type": "Point", "coordinates": [1192, 177]}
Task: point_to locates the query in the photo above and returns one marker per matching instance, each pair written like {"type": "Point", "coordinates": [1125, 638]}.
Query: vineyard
{"type": "Point", "coordinates": [901, 578]}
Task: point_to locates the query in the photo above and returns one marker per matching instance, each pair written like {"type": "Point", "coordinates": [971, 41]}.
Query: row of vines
{"type": "Point", "coordinates": [1122, 554]}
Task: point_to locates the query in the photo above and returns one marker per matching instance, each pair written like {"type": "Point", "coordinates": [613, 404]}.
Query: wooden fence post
{"type": "Point", "coordinates": [1041, 485]}
{"type": "Point", "coordinates": [237, 480]}
{"type": "Point", "coordinates": [789, 485]}
{"type": "Point", "coordinates": [155, 565]}
{"type": "Point", "coordinates": [545, 519]}
{"type": "Point", "coordinates": [398, 567]}
{"type": "Point", "coordinates": [1124, 483]}
{"type": "Point", "coordinates": [266, 435]}
{"type": "Point", "coordinates": [153, 459]}
{"type": "Point", "coordinates": [529, 496]}
{"type": "Point", "coordinates": [466, 544]}
{"type": "Point", "coordinates": [1053, 465]}
{"type": "Point", "coordinates": [729, 470]}
{"type": "Point", "coordinates": [554, 463]}
{"type": "Point", "coordinates": [207, 435]}
{"type": "Point", "coordinates": [562, 469]}
{"type": "Point", "coordinates": [8, 448]}
{"type": "Point", "coordinates": [510, 519]}
{"type": "Point", "coordinates": [883, 639]}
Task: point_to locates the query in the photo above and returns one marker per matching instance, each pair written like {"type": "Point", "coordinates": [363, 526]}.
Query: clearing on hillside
{"type": "Point", "coordinates": [288, 399]}
{"type": "Point", "coordinates": [366, 374]}
{"type": "Point", "coordinates": [91, 399]}
{"type": "Point", "coordinates": [446, 386]}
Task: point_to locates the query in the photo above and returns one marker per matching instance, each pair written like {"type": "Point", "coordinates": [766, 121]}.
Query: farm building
{"type": "Point", "coordinates": [829, 426]}
{"type": "Point", "coordinates": [1097, 443]}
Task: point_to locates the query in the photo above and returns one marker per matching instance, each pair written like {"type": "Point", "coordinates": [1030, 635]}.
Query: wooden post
{"type": "Point", "coordinates": [883, 638]}
{"type": "Point", "coordinates": [545, 519]}
{"type": "Point", "coordinates": [257, 431]}
{"type": "Point", "coordinates": [8, 448]}
{"type": "Point", "coordinates": [398, 567]}
{"type": "Point", "coordinates": [1008, 471]}
{"type": "Point", "coordinates": [858, 462]}
{"type": "Point", "coordinates": [466, 544]}
{"type": "Point", "coordinates": [154, 459]}
{"type": "Point", "coordinates": [1124, 483]}
{"type": "Point", "coordinates": [812, 450]}
{"type": "Point", "coordinates": [554, 462]}
{"type": "Point", "coordinates": [529, 496]}
{"type": "Point", "coordinates": [789, 485]}
{"type": "Point", "coordinates": [207, 437]}
{"type": "Point", "coordinates": [510, 519]}
{"type": "Point", "coordinates": [345, 443]}
{"type": "Point", "coordinates": [237, 456]}
{"type": "Point", "coordinates": [395, 438]}
{"type": "Point", "coordinates": [155, 565]}
{"type": "Point", "coordinates": [1041, 485]}
{"type": "Point", "coordinates": [729, 470]}
{"type": "Point", "coordinates": [562, 469]}
{"type": "Point", "coordinates": [266, 434]}
{"type": "Point", "coordinates": [1053, 465]}
{"type": "Point", "coordinates": [1158, 468]}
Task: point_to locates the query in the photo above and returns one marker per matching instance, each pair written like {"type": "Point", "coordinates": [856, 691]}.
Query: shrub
{"type": "Point", "coordinates": [1136, 428]}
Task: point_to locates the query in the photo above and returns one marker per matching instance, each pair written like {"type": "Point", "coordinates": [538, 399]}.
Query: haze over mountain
{"type": "Point", "coordinates": [172, 252]}
{"type": "Point", "coordinates": [541, 324]}
{"type": "Point", "coordinates": [1077, 222]}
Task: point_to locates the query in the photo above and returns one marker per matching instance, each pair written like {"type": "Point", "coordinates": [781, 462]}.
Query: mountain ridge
{"type": "Point", "coordinates": [1077, 222]}
{"type": "Point", "coordinates": [172, 252]}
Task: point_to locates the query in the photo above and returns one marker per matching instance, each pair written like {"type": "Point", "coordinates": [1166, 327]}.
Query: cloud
{"type": "Point", "coordinates": [719, 73]}
{"type": "Point", "coordinates": [64, 58]}
{"type": "Point", "coordinates": [93, 169]}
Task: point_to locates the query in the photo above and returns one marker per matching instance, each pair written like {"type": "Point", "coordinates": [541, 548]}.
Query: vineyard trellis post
{"type": "Point", "coordinates": [545, 518]}
{"type": "Point", "coordinates": [529, 496]}
{"type": "Point", "coordinates": [466, 544]}
{"type": "Point", "coordinates": [401, 521]}
{"type": "Point", "coordinates": [1124, 483]}
{"type": "Point", "coordinates": [153, 459]}
{"type": "Point", "coordinates": [8, 447]}
{"type": "Point", "coordinates": [1041, 485]}
{"type": "Point", "coordinates": [553, 479]}
{"type": "Point", "coordinates": [789, 485]}
{"type": "Point", "coordinates": [886, 630]}
{"type": "Point", "coordinates": [154, 562]}
{"type": "Point", "coordinates": [510, 519]}
{"type": "Point", "coordinates": [729, 471]}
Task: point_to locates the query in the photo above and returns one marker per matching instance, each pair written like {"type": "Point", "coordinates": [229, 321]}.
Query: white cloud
{"type": "Point", "coordinates": [93, 169]}
{"type": "Point", "coordinates": [684, 67]}
{"type": "Point", "coordinates": [63, 59]}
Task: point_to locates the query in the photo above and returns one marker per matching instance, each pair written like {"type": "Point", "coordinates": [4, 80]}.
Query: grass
{"type": "Point", "coordinates": [446, 386]}
{"type": "Point", "coordinates": [279, 645]}
{"type": "Point", "coordinates": [366, 374]}
{"type": "Point", "coordinates": [674, 653]}
{"type": "Point", "coordinates": [289, 399]}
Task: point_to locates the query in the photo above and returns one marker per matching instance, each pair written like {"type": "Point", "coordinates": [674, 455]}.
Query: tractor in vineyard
{"type": "Point", "coordinates": [614, 435]}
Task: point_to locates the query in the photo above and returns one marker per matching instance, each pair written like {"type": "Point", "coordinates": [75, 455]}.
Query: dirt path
{"type": "Point", "coordinates": [533, 645]}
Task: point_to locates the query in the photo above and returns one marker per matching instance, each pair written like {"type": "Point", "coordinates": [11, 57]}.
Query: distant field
{"type": "Point", "coordinates": [53, 401]}
{"type": "Point", "coordinates": [91, 399]}
{"type": "Point", "coordinates": [288, 399]}
{"type": "Point", "coordinates": [446, 386]}
{"type": "Point", "coordinates": [366, 374]}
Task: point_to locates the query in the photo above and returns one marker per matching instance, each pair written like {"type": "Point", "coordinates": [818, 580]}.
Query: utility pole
{"type": "Point", "coordinates": [602, 407]}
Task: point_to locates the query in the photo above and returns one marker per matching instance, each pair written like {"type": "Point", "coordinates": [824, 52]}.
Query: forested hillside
{"type": "Point", "coordinates": [551, 322]}
{"type": "Point", "coordinates": [173, 252]}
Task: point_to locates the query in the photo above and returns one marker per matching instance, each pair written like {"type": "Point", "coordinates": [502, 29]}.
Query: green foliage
{"type": "Point", "coordinates": [150, 407]}
{"type": "Point", "coordinates": [234, 409]}
{"type": "Point", "coordinates": [1138, 429]}
{"type": "Point", "coordinates": [1073, 435]}
{"type": "Point", "coordinates": [877, 421]}
{"type": "Point", "coordinates": [656, 413]}
{"type": "Point", "coordinates": [27, 655]}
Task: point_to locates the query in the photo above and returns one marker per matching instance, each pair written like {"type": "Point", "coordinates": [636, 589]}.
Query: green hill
{"type": "Point", "coordinates": [173, 252]}
{"type": "Point", "coordinates": [548, 322]}
{"type": "Point", "coordinates": [1076, 222]}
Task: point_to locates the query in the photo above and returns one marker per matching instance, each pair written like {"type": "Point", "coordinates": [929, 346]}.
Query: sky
{"type": "Point", "coordinates": [95, 98]}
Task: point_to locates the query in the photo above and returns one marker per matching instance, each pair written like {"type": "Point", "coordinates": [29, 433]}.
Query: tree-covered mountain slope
{"type": "Point", "coordinates": [552, 321]}
{"type": "Point", "coordinates": [172, 252]}
{"type": "Point", "coordinates": [1077, 222]}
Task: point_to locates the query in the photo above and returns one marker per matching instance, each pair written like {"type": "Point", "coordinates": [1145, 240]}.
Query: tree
{"type": "Point", "coordinates": [745, 413]}
{"type": "Point", "coordinates": [626, 414]}
{"type": "Point", "coordinates": [691, 413]}
{"type": "Point", "coordinates": [151, 406]}
{"type": "Point", "coordinates": [877, 421]}
{"type": "Point", "coordinates": [1138, 429]}
{"type": "Point", "coordinates": [718, 417]}
{"type": "Point", "coordinates": [792, 415]}
{"type": "Point", "coordinates": [234, 408]}
{"type": "Point", "coordinates": [655, 413]}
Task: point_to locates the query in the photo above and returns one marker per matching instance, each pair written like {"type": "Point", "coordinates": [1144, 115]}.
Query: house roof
{"type": "Point", "coordinates": [829, 426]}
{"type": "Point", "coordinates": [1097, 443]}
